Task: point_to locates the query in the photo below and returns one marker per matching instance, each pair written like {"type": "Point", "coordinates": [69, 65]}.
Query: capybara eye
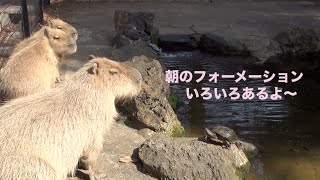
{"type": "Point", "coordinates": [59, 27]}
{"type": "Point", "coordinates": [56, 37]}
{"type": "Point", "coordinates": [113, 71]}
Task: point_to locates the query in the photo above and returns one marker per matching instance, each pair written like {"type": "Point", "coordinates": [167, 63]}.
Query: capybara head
{"type": "Point", "coordinates": [60, 42]}
{"type": "Point", "coordinates": [63, 26]}
{"type": "Point", "coordinates": [119, 79]}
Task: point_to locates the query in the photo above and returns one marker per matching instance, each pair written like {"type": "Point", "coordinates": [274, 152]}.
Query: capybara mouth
{"type": "Point", "coordinates": [72, 47]}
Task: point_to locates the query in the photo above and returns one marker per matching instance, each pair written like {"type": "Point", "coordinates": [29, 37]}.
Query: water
{"type": "Point", "coordinates": [286, 131]}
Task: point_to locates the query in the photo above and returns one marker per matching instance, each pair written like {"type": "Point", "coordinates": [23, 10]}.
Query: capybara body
{"type": "Point", "coordinates": [43, 135]}
{"type": "Point", "coordinates": [54, 24]}
{"type": "Point", "coordinates": [36, 67]}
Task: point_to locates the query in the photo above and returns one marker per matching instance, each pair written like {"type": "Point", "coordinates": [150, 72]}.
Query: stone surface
{"type": "Point", "coordinates": [221, 46]}
{"type": "Point", "coordinates": [142, 21]}
{"type": "Point", "coordinates": [177, 42]}
{"type": "Point", "coordinates": [298, 42]}
{"type": "Point", "coordinates": [136, 48]}
{"type": "Point", "coordinates": [146, 133]}
{"type": "Point", "coordinates": [120, 40]}
{"type": "Point", "coordinates": [135, 26]}
{"type": "Point", "coordinates": [248, 148]}
{"type": "Point", "coordinates": [187, 158]}
{"type": "Point", "coordinates": [120, 141]}
{"type": "Point", "coordinates": [151, 107]}
{"type": "Point", "coordinates": [134, 33]}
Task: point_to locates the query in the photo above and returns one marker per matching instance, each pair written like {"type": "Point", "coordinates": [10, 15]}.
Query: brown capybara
{"type": "Point", "coordinates": [43, 135]}
{"type": "Point", "coordinates": [54, 24]}
{"type": "Point", "coordinates": [36, 67]}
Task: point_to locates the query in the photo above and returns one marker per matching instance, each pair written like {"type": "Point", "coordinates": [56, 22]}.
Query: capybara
{"type": "Point", "coordinates": [54, 24]}
{"type": "Point", "coordinates": [36, 67]}
{"type": "Point", "coordinates": [43, 135]}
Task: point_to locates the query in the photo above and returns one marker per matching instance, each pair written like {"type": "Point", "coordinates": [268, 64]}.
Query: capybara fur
{"type": "Point", "coordinates": [54, 24]}
{"type": "Point", "coordinates": [36, 67]}
{"type": "Point", "coordinates": [43, 135]}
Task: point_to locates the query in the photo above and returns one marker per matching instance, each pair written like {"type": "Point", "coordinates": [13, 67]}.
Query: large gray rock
{"type": "Point", "coordinates": [176, 42]}
{"type": "Point", "coordinates": [120, 40]}
{"type": "Point", "coordinates": [134, 33]}
{"type": "Point", "coordinates": [120, 141]}
{"type": "Point", "coordinates": [187, 158]}
{"type": "Point", "coordinates": [151, 107]}
{"type": "Point", "coordinates": [136, 48]}
{"type": "Point", "coordinates": [219, 45]}
{"type": "Point", "coordinates": [248, 148]}
{"type": "Point", "coordinates": [135, 26]}
{"type": "Point", "coordinates": [299, 51]}
{"type": "Point", "coordinates": [143, 21]}
{"type": "Point", "coordinates": [298, 42]}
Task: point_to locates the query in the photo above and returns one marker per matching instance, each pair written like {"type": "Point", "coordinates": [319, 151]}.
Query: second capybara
{"type": "Point", "coordinates": [54, 24]}
{"type": "Point", "coordinates": [43, 135]}
{"type": "Point", "coordinates": [36, 67]}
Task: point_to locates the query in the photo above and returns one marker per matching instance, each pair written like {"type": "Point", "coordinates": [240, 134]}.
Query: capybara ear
{"type": "Point", "coordinates": [90, 57]}
{"type": "Point", "coordinates": [49, 23]}
{"type": "Point", "coordinates": [94, 69]}
{"type": "Point", "coordinates": [45, 31]}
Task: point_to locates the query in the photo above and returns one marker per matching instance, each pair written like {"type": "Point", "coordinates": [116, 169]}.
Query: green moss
{"type": "Point", "coordinates": [177, 131]}
{"type": "Point", "coordinates": [240, 175]}
{"type": "Point", "coordinates": [240, 172]}
{"type": "Point", "coordinates": [174, 101]}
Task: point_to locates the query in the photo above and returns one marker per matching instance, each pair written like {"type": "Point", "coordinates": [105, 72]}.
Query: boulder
{"type": "Point", "coordinates": [177, 42]}
{"type": "Point", "coordinates": [136, 48]}
{"type": "Point", "coordinates": [219, 45]}
{"type": "Point", "coordinates": [120, 141]}
{"type": "Point", "coordinates": [120, 40]}
{"type": "Point", "coordinates": [151, 107]}
{"type": "Point", "coordinates": [134, 33]}
{"type": "Point", "coordinates": [299, 51]}
{"type": "Point", "coordinates": [298, 42]}
{"type": "Point", "coordinates": [187, 158]}
{"type": "Point", "coordinates": [248, 148]}
{"type": "Point", "coordinates": [146, 133]}
{"type": "Point", "coordinates": [135, 26]}
{"type": "Point", "coordinates": [143, 21]}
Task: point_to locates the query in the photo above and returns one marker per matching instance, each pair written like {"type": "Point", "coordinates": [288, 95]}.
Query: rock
{"type": "Point", "coordinates": [154, 36]}
{"type": "Point", "coordinates": [146, 133]}
{"type": "Point", "coordinates": [219, 45]}
{"type": "Point", "coordinates": [120, 141]}
{"type": "Point", "coordinates": [177, 42]}
{"type": "Point", "coordinates": [133, 26]}
{"type": "Point", "coordinates": [187, 158]}
{"type": "Point", "coordinates": [134, 33]}
{"type": "Point", "coordinates": [136, 48]}
{"type": "Point", "coordinates": [120, 40]}
{"type": "Point", "coordinates": [143, 21]}
{"type": "Point", "coordinates": [249, 149]}
{"type": "Point", "coordinates": [298, 42]}
{"type": "Point", "coordinates": [151, 107]}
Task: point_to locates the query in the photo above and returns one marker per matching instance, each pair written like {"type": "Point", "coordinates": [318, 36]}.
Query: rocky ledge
{"type": "Point", "coordinates": [165, 157]}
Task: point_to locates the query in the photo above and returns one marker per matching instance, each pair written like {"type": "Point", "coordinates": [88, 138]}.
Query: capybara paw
{"type": "Point", "coordinates": [92, 175]}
